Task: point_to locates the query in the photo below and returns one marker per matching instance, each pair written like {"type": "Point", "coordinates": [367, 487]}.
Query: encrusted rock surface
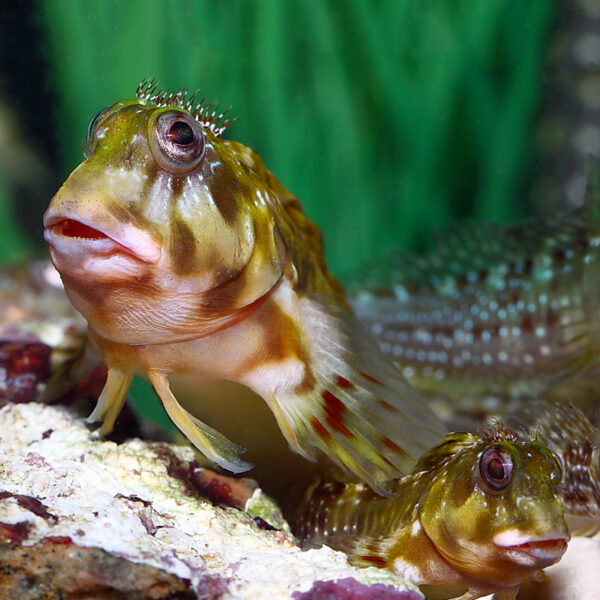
{"type": "Point", "coordinates": [83, 518]}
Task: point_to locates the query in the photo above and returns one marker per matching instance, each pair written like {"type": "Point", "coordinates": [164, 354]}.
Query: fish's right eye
{"type": "Point", "coordinates": [177, 141]}
{"type": "Point", "coordinates": [496, 469]}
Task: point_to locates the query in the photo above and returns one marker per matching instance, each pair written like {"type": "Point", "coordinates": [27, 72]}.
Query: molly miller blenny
{"type": "Point", "coordinates": [505, 312]}
{"type": "Point", "coordinates": [481, 512]}
{"type": "Point", "coordinates": [188, 258]}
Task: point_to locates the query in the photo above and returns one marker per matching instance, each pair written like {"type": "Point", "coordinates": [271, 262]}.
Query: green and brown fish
{"type": "Point", "coordinates": [493, 312]}
{"type": "Point", "coordinates": [482, 512]}
{"type": "Point", "coordinates": [189, 260]}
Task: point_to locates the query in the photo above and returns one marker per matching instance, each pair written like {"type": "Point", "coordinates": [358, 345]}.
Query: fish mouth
{"type": "Point", "coordinates": [538, 552]}
{"type": "Point", "coordinates": [65, 235]}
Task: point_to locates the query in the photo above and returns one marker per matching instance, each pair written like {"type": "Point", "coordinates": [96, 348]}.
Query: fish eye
{"type": "Point", "coordinates": [177, 141]}
{"type": "Point", "coordinates": [181, 133]}
{"type": "Point", "coordinates": [496, 469]}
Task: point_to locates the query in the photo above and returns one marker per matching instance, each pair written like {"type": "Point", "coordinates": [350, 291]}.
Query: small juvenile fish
{"type": "Point", "coordinates": [575, 441]}
{"type": "Point", "coordinates": [188, 258]}
{"type": "Point", "coordinates": [493, 312]}
{"type": "Point", "coordinates": [483, 512]}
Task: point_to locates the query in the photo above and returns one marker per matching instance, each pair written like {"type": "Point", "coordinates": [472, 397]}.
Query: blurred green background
{"type": "Point", "coordinates": [387, 118]}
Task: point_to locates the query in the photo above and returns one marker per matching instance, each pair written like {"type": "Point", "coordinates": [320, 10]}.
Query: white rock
{"type": "Point", "coordinates": [121, 499]}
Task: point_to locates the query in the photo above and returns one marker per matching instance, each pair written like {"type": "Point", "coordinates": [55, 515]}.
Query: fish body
{"type": "Point", "coordinates": [189, 259]}
{"type": "Point", "coordinates": [483, 512]}
{"type": "Point", "coordinates": [493, 312]}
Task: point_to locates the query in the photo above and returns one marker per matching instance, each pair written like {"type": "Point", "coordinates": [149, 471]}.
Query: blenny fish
{"type": "Point", "coordinates": [188, 258]}
{"type": "Point", "coordinates": [575, 441]}
{"type": "Point", "coordinates": [493, 312]}
{"type": "Point", "coordinates": [483, 512]}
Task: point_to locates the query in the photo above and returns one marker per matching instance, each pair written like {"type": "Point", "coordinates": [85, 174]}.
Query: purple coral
{"type": "Point", "coordinates": [351, 589]}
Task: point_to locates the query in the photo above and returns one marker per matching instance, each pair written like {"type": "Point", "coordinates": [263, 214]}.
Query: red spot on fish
{"type": "Point", "coordinates": [369, 378]}
{"type": "Point", "coordinates": [391, 445]}
{"type": "Point", "coordinates": [334, 409]}
{"type": "Point", "coordinates": [477, 331]}
{"type": "Point", "coordinates": [552, 318]}
{"type": "Point", "coordinates": [559, 255]}
{"type": "Point", "coordinates": [386, 405]}
{"type": "Point", "coordinates": [377, 561]}
{"type": "Point", "coordinates": [387, 461]}
{"type": "Point", "coordinates": [527, 324]}
{"type": "Point", "coordinates": [333, 403]}
{"type": "Point", "coordinates": [319, 429]}
{"type": "Point", "coordinates": [344, 383]}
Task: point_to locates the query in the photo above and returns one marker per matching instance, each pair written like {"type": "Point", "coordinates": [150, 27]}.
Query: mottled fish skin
{"type": "Point", "coordinates": [575, 441]}
{"type": "Point", "coordinates": [493, 312]}
{"type": "Point", "coordinates": [188, 258]}
{"type": "Point", "coordinates": [483, 512]}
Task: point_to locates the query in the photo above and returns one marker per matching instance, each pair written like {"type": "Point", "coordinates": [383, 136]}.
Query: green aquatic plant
{"type": "Point", "coordinates": [385, 119]}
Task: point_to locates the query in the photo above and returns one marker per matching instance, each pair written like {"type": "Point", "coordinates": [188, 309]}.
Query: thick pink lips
{"type": "Point", "coordinates": [529, 550]}
{"type": "Point", "coordinates": [546, 549]}
{"type": "Point", "coordinates": [65, 234]}
{"type": "Point", "coordinates": [538, 554]}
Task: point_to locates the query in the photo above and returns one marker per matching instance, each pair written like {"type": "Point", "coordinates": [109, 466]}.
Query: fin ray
{"type": "Point", "coordinates": [358, 409]}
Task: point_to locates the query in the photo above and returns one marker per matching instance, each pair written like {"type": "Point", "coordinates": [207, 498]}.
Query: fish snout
{"type": "Point", "coordinates": [530, 550]}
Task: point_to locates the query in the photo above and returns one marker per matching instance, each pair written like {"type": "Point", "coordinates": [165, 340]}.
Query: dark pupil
{"type": "Point", "coordinates": [181, 133]}
{"type": "Point", "coordinates": [495, 469]}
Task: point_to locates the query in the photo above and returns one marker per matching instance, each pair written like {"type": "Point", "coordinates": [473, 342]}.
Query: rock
{"type": "Point", "coordinates": [61, 570]}
{"type": "Point", "coordinates": [83, 518]}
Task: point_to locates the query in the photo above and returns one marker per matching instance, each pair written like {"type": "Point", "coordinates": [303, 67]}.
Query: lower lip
{"type": "Point", "coordinates": [547, 551]}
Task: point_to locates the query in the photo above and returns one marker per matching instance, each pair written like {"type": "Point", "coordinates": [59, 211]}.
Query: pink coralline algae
{"type": "Point", "coordinates": [350, 589]}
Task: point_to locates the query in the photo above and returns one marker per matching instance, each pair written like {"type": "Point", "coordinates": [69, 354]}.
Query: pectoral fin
{"type": "Point", "coordinates": [358, 409]}
{"type": "Point", "coordinates": [214, 445]}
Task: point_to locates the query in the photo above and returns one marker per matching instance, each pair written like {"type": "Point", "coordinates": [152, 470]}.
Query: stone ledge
{"type": "Point", "coordinates": [137, 507]}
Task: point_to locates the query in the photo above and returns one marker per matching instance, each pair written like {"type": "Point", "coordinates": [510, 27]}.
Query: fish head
{"type": "Point", "coordinates": [494, 510]}
{"type": "Point", "coordinates": [165, 230]}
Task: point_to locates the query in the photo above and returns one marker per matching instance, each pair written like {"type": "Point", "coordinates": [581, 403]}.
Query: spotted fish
{"type": "Point", "coordinates": [481, 512]}
{"type": "Point", "coordinates": [493, 312]}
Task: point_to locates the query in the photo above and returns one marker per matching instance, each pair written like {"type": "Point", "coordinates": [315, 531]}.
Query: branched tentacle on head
{"type": "Point", "coordinates": [494, 430]}
{"type": "Point", "coordinates": [149, 93]}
